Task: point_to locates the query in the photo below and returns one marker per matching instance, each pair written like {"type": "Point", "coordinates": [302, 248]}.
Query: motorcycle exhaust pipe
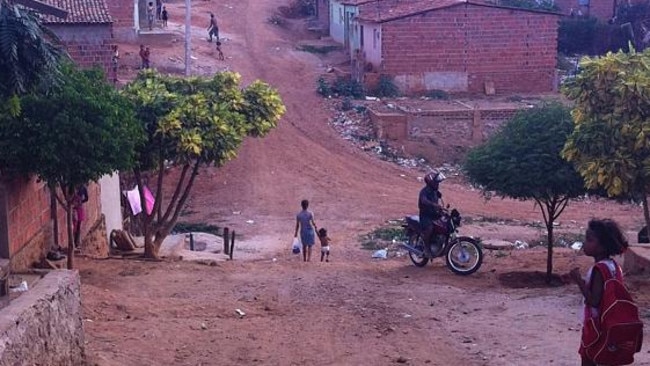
{"type": "Point", "coordinates": [411, 249]}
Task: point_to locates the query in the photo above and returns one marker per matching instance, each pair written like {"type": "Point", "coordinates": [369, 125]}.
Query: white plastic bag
{"type": "Point", "coordinates": [295, 246]}
{"type": "Point", "coordinates": [381, 254]}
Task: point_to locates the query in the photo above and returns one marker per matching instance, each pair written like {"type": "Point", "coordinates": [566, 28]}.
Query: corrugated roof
{"type": "Point", "coordinates": [79, 12]}
{"type": "Point", "coordinates": [382, 11]}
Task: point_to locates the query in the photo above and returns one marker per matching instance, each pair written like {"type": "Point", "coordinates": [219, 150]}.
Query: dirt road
{"type": "Point", "coordinates": [352, 311]}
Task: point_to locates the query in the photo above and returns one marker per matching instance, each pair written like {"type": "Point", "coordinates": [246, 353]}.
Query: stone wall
{"type": "Point", "coordinates": [44, 326]}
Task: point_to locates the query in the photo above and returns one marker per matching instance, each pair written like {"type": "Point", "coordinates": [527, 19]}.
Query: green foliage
{"type": "Point", "coordinates": [320, 50]}
{"type": "Point", "coordinates": [610, 145]}
{"type": "Point", "coordinates": [545, 5]}
{"type": "Point", "coordinates": [193, 122]}
{"type": "Point", "coordinates": [79, 131]}
{"type": "Point", "coordinates": [522, 161]}
{"type": "Point", "coordinates": [201, 227]}
{"type": "Point", "coordinates": [323, 88]}
{"type": "Point", "coordinates": [347, 87]}
{"type": "Point", "coordinates": [28, 56]}
{"type": "Point", "coordinates": [588, 35]}
{"type": "Point", "coordinates": [346, 104]}
{"type": "Point", "coordinates": [386, 87]}
{"type": "Point", "coordinates": [437, 94]}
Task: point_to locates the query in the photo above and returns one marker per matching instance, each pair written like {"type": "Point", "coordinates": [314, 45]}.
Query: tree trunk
{"type": "Point", "coordinates": [55, 218]}
{"type": "Point", "coordinates": [646, 214]}
{"type": "Point", "coordinates": [150, 250]}
{"type": "Point", "coordinates": [68, 214]}
{"type": "Point", "coordinates": [549, 238]}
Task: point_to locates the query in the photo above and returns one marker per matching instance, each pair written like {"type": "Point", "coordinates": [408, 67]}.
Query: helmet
{"type": "Point", "coordinates": [434, 176]}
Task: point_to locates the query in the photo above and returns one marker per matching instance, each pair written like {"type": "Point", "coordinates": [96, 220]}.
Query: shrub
{"type": "Point", "coordinates": [386, 87]}
{"type": "Point", "coordinates": [437, 94]}
{"type": "Point", "coordinates": [298, 9]}
{"type": "Point", "coordinates": [323, 88]}
{"type": "Point", "coordinates": [346, 105]}
{"type": "Point", "coordinates": [348, 88]}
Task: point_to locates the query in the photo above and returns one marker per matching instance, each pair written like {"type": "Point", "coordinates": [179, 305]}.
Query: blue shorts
{"type": "Point", "coordinates": [308, 237]}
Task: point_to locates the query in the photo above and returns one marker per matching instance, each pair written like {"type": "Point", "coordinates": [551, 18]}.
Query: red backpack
{"type": "Point", "coordinates": [617, 334]}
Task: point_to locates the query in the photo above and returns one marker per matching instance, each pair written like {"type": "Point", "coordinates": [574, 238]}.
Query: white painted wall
{"type": "Point", "coordinates": [372, 43]}
{"type": "Point", "coordinates": [110, 197]}
{"type": "Point", "coordinates": [337, 21]}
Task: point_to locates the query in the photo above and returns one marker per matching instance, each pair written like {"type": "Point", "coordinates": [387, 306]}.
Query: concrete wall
{"type": "Point", "coordinates": [44, 326]}
{"type": "Point", "coordinates": [337, 21]}
{"type": "Point", "coordinates": [111, 199]}
{"type": "Point", "coordinates": [88, 45]}
{"type": "Point", "coordinates": [372, 43]}
{"type": "Point", "coordinates": [471, 125]}
{"type": "Point", "coordinates": [462, 47]}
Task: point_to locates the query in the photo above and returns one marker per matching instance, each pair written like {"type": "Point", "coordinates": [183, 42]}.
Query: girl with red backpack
{"type": "Point", "coordinates": [612, 331]}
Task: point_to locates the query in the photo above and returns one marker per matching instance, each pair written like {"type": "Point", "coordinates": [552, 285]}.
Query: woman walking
{"type": "Point", "coordinates": [305, 222]}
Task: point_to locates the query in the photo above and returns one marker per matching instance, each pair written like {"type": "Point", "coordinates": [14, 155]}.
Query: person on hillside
{"type": "Point", "coordinates": [114, 62]}
{"type": "Point", "coordinates": [78, 212]}
{"type": "Point", "coordinates": [164, 17]}
{"type": "Point", "coordinates": [219, 52]}
{"type": "Point", "coordinates": [213, 28]}
{"type": "Point", "coordinates": [146, 59]}
{"type": "Point", "coordinates": [430, 210]}
{"type": "Point", "coordinates": [325, 242]}
{"type": "Point", "coordinates": [603, 239]}
{"type": "Point", "coordinates": [150, 15]}
{"type": "Point", "coordinates": [305, 222]}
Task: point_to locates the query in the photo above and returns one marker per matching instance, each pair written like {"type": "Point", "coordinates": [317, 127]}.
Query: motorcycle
{"type": "Point", "coordinates": [463, 254]}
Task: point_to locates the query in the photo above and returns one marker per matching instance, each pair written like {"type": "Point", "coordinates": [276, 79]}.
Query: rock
{"type": "Point", "coordinates": [204, 326]}
{"type": "Point", "coordinates": [497, 244]}
{"type": "Point", "coordinates": [401, 359]}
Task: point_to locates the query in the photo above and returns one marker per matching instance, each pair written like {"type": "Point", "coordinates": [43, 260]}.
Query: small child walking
{"type": "Point", "coordinates": [219, 52]}
{"type": "Point", "coordinates": [325, 242]}
{"type": "Point", "coordinates": [603, 240]}
{"type": "Point", "coordinates": [164, 17]}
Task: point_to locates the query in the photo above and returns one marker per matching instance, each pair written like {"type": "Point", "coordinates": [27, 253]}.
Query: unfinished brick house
{"type": "Point", "coordinates": [87, 32]}
{"type": "Point", "coordinates": [26, 215]}
{"type": "Point", "coordinates": [458, 46]}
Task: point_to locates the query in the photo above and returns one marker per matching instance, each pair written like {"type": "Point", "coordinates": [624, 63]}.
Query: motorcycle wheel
{"type": "Point", "coordinates": [464, 256]}
{"type": "Point", "coordinates": [419, 260]}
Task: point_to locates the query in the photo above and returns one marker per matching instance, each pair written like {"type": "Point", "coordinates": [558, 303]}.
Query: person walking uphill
{"type": "Point", "coordinates": [305, 222]}
{"type": "Point", "coordinates": [213, 28]}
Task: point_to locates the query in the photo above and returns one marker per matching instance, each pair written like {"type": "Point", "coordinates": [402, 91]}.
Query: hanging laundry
{"type": "Point", "coordinates": [133, 196]}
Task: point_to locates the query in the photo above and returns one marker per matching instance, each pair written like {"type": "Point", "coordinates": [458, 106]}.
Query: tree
{"type": "Point", "coordinates": [189, 123]}
{"type": "Point", "coordinates": [77, 132]}
{"type": "Point", "coordinates": [610, 143]}
{"type": "Point", "coordinates": [522, 161]}
{"type": "Point", "coordinates": [29, 54]}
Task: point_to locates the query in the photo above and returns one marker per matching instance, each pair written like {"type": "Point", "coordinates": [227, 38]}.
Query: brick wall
{"type": "Point", "coordinates": [88, 45]}
{"type": "Point", "coordinates": [26, 217]}
{"type": "Point", "coordinates": [462, 47]}
{"type": "Point", "coordinates": [122, 13]}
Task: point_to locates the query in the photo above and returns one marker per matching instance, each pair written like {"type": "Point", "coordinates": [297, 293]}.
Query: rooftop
{"type": "Point", "coordinates": [79, 12]}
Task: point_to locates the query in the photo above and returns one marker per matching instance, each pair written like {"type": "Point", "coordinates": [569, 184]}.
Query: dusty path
{"type": "Point", "coordinates": [353, 311]}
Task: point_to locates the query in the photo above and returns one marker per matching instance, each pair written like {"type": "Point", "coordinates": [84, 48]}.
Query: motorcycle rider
{"type": "Point", "coordinates": [430, 209]}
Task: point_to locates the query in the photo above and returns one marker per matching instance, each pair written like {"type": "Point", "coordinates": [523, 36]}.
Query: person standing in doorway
{"type": "Point", "coordinates": [213, 28]}
{"type": "Point", "coordinates": [78, 212]}
{"type": "Point", "coordinates": [150, 11]}
{"type": "Point", "coordinates": [159, 7]}
{"type": "Point", "coordinates": [305, 222]}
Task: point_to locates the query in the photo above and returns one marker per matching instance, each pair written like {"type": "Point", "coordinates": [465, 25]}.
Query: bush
{"type": "Point", "coordinates": [590, 36]}
{"type": "Point", "coordinates": [348, 88]}
{"type": "Point", "coordinates": [323, 88]}
{"type": "Point", "coordinates": [386, 87]}
{"type": "Point", "coordinates": [346, 105]}
{"type": "Point", "coordinates": [437, 94]}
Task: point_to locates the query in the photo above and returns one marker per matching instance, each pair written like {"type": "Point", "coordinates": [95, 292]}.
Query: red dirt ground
{"type": "Point", "coordinates": [352, 311]}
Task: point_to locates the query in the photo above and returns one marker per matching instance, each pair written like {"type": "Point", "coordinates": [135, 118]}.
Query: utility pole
{"type": "Point", "coordinates": [188, 37]}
